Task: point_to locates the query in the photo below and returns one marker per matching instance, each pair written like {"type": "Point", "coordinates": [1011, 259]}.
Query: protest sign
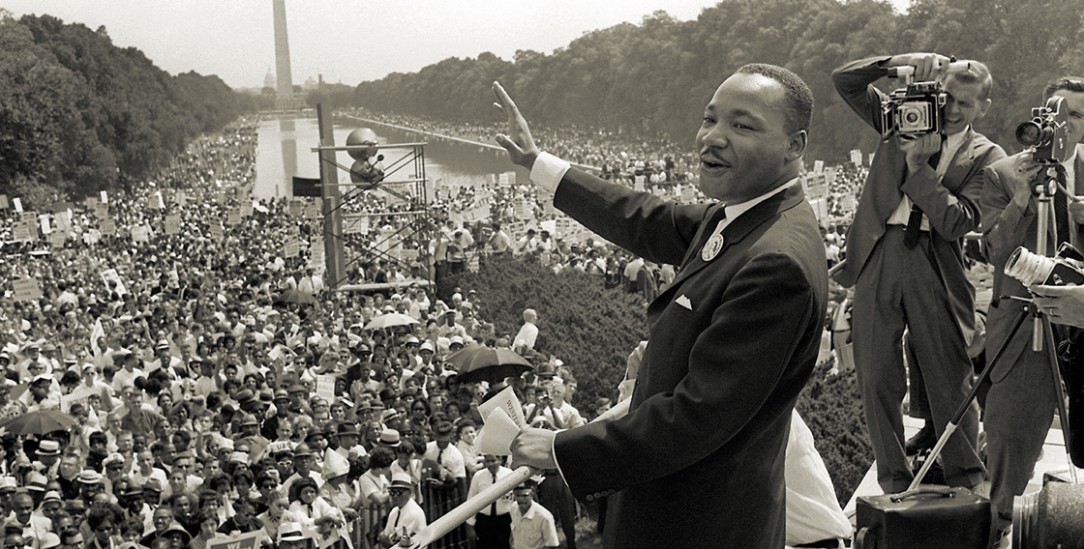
{"type": "Point", "coordinates": [216, 232]}
{"type": "Point", "coordinates": [233, 217]}
{"type": "Point", "coordinates": [107, 226]}
{"type": "Point", "coordinates": [18, 203]}
{"type": "Point", "coordinates": [291, 250]}
{"type": "Point", "coordinates": [240, 541]}
{"type": "Point", "coordinates": [856, 157]}
{"type": "Point", "coordinates": [141, 233]}
{"type": "Point", "coordinates": [325, 386]}
{"type": "Point", "coordinates": [4, 202]}
{"type": "Point", "coordinates": [26, 289]}
{"type": "Point", "coordinates": [173, 224]}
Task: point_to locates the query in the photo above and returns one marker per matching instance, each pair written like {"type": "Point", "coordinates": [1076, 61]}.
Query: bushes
{"type": "Point", "coordinates": [593, 329]}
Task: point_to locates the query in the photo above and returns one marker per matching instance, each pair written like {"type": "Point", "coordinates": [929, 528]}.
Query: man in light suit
{"type": "Point", "coordinates": [906, 265]}
{"type": "Point", "coordinates": [1020, 404]}
{"type": "Point", "coordinates": [698, 460]}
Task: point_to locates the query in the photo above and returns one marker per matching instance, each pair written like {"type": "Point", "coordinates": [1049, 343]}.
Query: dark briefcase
{"type": "Point", "coordinates": [928, 518]}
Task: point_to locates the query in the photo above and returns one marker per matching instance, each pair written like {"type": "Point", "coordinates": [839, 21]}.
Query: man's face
{"type": "Point", "coordinates": [162, 519]}
{"type": "Point", "coordinates": [1074, 102]}
{"type": "Point", "coordinates": [24, 505]}
{"type": "Point", "coordinates": [523, 499]}
{"type": "Point", "coordinates": [742, 141]}
{"type": "Point", "coordinates": [69, 467]}
{"type": "Point", "coordinates": [965, 104]}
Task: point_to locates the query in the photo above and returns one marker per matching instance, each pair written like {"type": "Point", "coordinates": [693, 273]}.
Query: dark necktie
{"type": "Point", "coordinates": [1061, 208]}
{"type": "Point", "coordinates": [493, 506]}
{"type": "Point", "coordinates": [914, 221]}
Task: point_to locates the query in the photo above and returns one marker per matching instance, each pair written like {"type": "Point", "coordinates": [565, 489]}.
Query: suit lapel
{"type": "Point", "coordinates": [732, 234]}
{"type": "Point", "coordinates": [961, 164]}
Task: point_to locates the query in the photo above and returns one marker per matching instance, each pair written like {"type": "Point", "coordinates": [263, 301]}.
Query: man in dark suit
{"type": "Point", "coordinates": [698, 460]}
{"type": "Point", "coordinates": [1021, 400]}
{"type": "Point", "coordinates": [906, 265]}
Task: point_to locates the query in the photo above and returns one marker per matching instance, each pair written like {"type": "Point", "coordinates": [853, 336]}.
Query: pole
{"type": "Point", "coordinates": [330, 198]}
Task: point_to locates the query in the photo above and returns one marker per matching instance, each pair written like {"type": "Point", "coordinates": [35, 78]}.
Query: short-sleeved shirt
{"type": "Point", "coordinates": [534, 529]}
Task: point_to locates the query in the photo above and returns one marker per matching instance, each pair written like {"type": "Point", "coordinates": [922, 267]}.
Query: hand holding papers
{"type": "Point", "coordinates": [503, 419]}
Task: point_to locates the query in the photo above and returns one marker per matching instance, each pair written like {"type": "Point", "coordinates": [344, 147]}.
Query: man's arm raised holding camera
{"type": "Point", "coordinates": [903, 254]}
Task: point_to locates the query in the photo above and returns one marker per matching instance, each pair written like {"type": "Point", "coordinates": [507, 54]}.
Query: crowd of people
{"type": "Point", "coordinates": [193, 381]}
{"type": "Point", "coordinates": [210, 400]}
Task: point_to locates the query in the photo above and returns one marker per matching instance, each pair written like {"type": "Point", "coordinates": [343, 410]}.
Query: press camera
{"type": "Point", "coordinates": [918, 108]}
{"type": "Point", "coordinates": [1047, 132]}
{"type": "Point", "coordinates": [1065, 268]}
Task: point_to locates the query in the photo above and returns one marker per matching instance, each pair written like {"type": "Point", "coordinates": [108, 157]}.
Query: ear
{"type": "Point", "coordinates": [984, 105]}
{"type": "Point", "coordinates": [796, 145]}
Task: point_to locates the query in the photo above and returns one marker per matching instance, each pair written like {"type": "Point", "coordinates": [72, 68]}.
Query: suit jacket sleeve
{"type": "Point", "coordinates": [1007, 217]}
{"type": "Point", "coordinates": [731, 375]}
{"type": "Point", "coordinates": [639, 222]}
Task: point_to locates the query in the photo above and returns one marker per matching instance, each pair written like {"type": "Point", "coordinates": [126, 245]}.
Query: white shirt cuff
{"type": "Point", "coordinates": [547, 171]}
{"type": "Point", "coordinates": [553, 446]}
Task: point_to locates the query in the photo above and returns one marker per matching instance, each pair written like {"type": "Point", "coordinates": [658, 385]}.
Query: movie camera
{"type": "Point", "coordinates": [918, 108]}
{"type": "Point", "coordinates": [1065, 268]}
{"type": "Point", "coordinates": [1047, 132]}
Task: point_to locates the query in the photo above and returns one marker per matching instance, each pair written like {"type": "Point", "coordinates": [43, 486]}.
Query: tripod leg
{"type": "Point", "coordinates": [962, 410]}
{"type": "Point", "coordinates": [1059, 390]}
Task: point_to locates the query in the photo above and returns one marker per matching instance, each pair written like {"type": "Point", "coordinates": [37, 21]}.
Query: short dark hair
{"type": "Point", "coordinates": [1067, 83]}
{"type": "Point", "coordinates": [977, 72]}
{"type": "Point", "coordinates": [797, 95]}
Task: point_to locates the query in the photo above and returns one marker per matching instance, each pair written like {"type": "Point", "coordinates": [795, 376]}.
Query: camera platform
{"type": "Point", "coordinates": [1054, 461]}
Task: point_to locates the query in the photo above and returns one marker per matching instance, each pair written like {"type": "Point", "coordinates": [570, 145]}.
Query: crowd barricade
{"type": "Point", "coordinates": [440, 498]}
{"type": "Point", "coordinates": [369, 524]}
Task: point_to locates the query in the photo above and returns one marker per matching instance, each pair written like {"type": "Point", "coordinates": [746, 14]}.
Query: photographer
{"type": "Point", "coordinates": [1021, 400]}
{"type": "Point", "coordinates": [905, 262]}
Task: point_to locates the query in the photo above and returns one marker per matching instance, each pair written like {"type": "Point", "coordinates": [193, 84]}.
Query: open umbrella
{"type": "Point", "coordinates": [40, 422]}
{"type": "Point", "coordinates": [480, 363]}
{"type": "Point", "coordinates": [390, 320]}
{"type": "Point", "coordinates": [296, 296]}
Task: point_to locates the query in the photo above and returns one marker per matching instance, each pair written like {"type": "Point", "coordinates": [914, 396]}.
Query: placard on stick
{"type": "Point", "coordinates": [26, 289]}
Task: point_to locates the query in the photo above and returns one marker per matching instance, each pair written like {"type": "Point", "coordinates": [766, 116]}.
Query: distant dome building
{"type": "Point", "coordinates": [269, 79]}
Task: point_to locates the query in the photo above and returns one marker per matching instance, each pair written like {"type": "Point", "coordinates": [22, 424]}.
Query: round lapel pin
{"type": "Point", "coordinates": [712, 247]}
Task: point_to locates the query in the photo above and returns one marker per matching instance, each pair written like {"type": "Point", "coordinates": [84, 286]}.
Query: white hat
{"type": "Point", "coordinates": [401, 480]}
{"type": "Point", "coordinates": [290, 531]}
{"type": "Point", "coordinates": [426, 346]}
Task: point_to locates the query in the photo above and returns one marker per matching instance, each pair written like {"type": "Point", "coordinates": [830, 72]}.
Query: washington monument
{"type": "Point", "coordinates": [285, 81]}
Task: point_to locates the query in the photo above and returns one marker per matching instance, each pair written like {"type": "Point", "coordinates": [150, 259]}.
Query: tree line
{"type": "Point", "coordinates": [79, 115]}
{"type": "Point", "coordinates": [657, 76]}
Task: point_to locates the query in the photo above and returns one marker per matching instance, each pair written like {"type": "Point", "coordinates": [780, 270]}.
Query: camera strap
{"type": "Point", "coordinates": [1061, 209]}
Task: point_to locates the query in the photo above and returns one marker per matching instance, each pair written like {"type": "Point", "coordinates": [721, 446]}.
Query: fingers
{"type": "Point", "coordinates": [504, 101]}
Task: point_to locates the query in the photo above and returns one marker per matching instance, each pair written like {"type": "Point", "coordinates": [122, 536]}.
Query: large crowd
{"type": "Point", "coordinates": [218, 388]}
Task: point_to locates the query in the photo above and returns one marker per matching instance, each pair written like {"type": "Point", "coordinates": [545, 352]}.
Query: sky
{"type": "Point", "coordinates": [347, 41]}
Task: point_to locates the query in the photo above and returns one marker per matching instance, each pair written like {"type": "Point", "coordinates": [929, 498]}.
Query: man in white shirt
{"type": "Point", "coordinates": [528, 333]}
{"type": "Point", "coordinates": [406, 517]}
{"type": "Point", "coordinates": [491, 527]}
{"type": "Point", "coordinates": [532, 524]}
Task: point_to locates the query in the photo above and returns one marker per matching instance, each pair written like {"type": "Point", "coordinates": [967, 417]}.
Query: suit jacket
{"type": "Point", "coordinates": [698, 461]}
{"type": "Point", "coordinates": [951, 205]}
{"type": "Point", "coordinates": [1010, 224]}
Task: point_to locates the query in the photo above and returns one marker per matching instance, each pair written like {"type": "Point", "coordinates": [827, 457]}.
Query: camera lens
{"type": "Point", "coordinates": [1029, 133]}
{"type": "Point", "coordinates": [911, 117]}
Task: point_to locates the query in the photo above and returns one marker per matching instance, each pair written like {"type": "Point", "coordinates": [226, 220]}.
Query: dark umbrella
{"type": "Point", "coordinates": [38, 423]}
{"type": "Point", "coordinates": [480, 363]}
{"type": "Point", "coordinates": [296, 296]}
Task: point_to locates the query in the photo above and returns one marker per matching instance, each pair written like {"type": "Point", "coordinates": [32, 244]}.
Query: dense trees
{"type": "Point", "coordinates": [657, 76]}
{"type": "Point", "coordinates": [78, 114]}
